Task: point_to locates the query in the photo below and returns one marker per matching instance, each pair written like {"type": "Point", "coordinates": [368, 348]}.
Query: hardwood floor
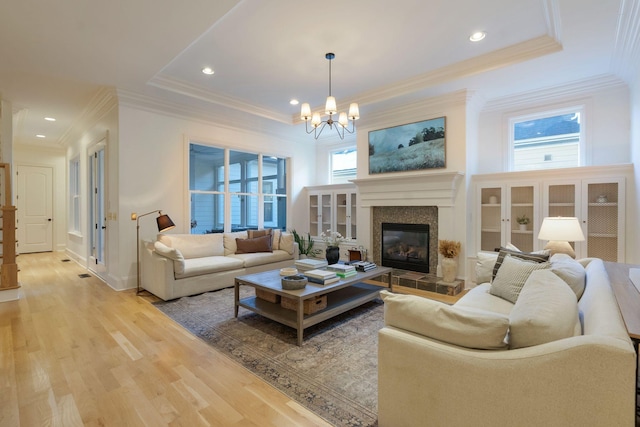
{"type": "Point", "coordinates": [75, 352]}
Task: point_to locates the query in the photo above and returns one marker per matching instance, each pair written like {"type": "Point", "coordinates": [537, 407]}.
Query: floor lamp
{"type": "Point", "coordinates": [164, 224]}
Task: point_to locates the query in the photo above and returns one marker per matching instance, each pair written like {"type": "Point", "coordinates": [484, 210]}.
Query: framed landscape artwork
{"type": "Point", "coordinates": [414, 146]}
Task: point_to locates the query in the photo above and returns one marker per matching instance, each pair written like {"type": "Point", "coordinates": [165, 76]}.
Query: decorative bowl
{"type": "Point", "coordinates": [292, 283]}
{"type": "Point", "coordinates": [288, 271]}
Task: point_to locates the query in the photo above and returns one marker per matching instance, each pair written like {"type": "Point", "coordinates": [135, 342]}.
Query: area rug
{"type": "Point", "coordinates": [334, 372]}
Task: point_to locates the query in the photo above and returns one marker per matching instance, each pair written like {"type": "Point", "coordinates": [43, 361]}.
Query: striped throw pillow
{"type": "Point", "coordinates": [541, 256]}
{"type": "Point", "coordinates": [512, 275]}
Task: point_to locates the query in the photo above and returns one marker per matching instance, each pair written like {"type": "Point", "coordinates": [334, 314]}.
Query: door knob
{"type": "Point", "coordinates": [49, 219]}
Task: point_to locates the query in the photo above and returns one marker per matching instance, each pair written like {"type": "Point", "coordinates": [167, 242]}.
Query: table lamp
{"type": "Point", "coordinates": [559, 231]}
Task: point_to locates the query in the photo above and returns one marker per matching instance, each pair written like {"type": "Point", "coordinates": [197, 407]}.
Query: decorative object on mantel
{"type": "Point", "coordinates": [330, 109]}
{"type": "Point", "coordinates": [449, 250]}
{"type": "Point", "coordinates": [332, 239]}
{"type": "Point", "coordinates": [523, 221]}
{"type": "Point", "coordinates": [414, 146]}
{"type": "Point", "coordinates": [305, 246]}
{"type": "Point", "coordinates": [559, 231]}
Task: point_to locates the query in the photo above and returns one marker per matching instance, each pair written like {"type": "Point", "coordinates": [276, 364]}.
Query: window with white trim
{"type": "Point", "coordinates": [234, 190]}
{"type": "Point", "coordinates": [548, 140]}
{"type": "Point", "coordinates": [344, 164]}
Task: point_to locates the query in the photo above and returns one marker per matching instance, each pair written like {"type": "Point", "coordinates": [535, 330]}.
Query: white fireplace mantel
{"type": "Point", "coordinates": [434, 189]}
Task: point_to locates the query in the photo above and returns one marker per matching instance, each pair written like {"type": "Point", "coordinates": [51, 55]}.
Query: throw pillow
{"type": "Point", "coordinates": [286, 242]}
{"type": "Point", "coordinates": [540, 256]}
{"type": "Point", "coordinates": [512, 275]}
{"type": "Point", "coordinates": [466, 327]}
{"type": "Point", "coordinates": [257, 244]}
{"type": "Point", "coordinates": [484, 266]}
{"type": "Point", "coordinates": [546, 311]}
{"type": "Point", "coordinates": [571, 271]}
{"type": "Point", "coordinates": [259, 233]}
{"type": "Point", "coordinates": [171, 253]}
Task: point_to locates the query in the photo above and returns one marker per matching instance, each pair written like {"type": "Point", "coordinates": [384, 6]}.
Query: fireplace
{"type": "Point", "coordinates": [405, 246]}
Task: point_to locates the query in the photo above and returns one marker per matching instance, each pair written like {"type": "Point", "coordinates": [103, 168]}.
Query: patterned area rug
{"type": "Point", "coordinates": [334, 373]}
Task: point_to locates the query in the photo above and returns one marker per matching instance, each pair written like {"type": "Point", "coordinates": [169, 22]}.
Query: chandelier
{"type": "Point", "coordinates": [330, 109]}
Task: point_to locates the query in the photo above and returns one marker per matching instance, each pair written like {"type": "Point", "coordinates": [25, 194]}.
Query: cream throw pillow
{"type": "Point", "coordinates": [571, 271]}
{"type": "Point", "coordinates": [484, 266]}
{"type": "Point", "coordinates": [466, 327]}
{"type": "Point", "coordinates": [546, 311]}
{"type": "Point", "coordinates": [286, 242]}
{"type": "Point", "coordinates": [512, 275]}
{"type": "Point", "coordinates": [171, 253]}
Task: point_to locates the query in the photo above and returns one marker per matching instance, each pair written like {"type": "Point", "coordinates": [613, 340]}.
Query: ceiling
{"type": "Point", "coordinates": [58, 56]}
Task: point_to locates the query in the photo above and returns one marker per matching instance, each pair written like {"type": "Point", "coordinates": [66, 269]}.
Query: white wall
{"type": "Point", "coordinates": [153, 172]}
{"type": "Point", "coordinates": [607, 124]}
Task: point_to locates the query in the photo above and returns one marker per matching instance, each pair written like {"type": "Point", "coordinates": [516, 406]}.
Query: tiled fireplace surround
{"type": "Point", "coordinates": [425, 199]}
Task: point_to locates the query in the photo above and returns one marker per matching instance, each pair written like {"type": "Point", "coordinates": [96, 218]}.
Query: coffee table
{"type": "Point", "coordinates": [341, 296]}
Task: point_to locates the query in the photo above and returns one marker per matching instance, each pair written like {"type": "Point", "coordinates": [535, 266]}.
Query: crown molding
{"type": "Point", "coordinates": [568, 90]}
{"type": "Point", "coordinates": [102, 103]}
{"type": "Point", "coordinates": [192, 91]}
{"type": "Point", "coordinates": [552, 17]}
{"type": "Point", "coordinates": [194, 114]}
{"type": "Point", "coordinates": [626, 53]}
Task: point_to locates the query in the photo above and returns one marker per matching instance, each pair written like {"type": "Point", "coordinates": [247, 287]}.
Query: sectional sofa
{"type": "Point", "coordinates": [543, 348]}
{"type": "Point", "coordinates": [177, 265]}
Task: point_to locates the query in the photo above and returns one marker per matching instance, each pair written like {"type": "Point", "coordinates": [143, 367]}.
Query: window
{"type": "Point", "coordinates": [234, 190]}
{"type": "Point", "coordinates": [74, 195]}
{"type": "Point", "coordinates": [548, 140]}
{"type": "Point", "coordinates": [344, 164]}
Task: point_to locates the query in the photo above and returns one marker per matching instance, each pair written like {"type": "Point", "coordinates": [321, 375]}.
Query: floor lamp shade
{"type": "Point", "coordinates": [559, 231]}
{"type": "Point", "coordinates": [164, 223]}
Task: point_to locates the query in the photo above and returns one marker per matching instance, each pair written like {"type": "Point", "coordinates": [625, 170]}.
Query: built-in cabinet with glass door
{"type": "Point", "coordinates": [595, 195]}
{"type": "Point", "coordinates": [503, 208]}
{"type": "Point", "coordinates": [332, 208]}
{"type": "Point", "coordinates": [599, 205]}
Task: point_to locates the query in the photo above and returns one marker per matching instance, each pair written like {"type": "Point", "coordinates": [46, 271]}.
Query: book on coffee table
{"type": "Point", "coordinates": [310, 264]}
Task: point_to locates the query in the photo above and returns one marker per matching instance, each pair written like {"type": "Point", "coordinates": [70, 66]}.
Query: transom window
{"type": "Point", "coordinates": [234, 190]}
{"type": "Point", "coordinates": [547, 140]}
{"type": "Point", "coordinates": [344, 165]}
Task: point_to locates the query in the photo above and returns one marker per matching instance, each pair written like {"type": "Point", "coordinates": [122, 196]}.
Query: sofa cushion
{"type": "Point", "coordinates": [205, 265]}
{"type": "Point", "coordinates": [571, 271]}
{"type": "Point", "coordinates": [464, 327]}
{"type": "Point", "coordinates": [512, 275]}
{"type": "Point", "coordinates": [253, 245]}
{"type": "Point", "coordinates": [230, 246]}
{"type": "Point", "coordinates": [484, 266]}
{"type": "Point", "coordinates": [286, 242]}
{"type": "Point", "coordinates": [275, 243]}
{"type": "Point", "coordinates": [194, 245]}
{"type": "Point", "coordinates": [546, 310]}
{"type": "Point", "coordinates": [541, 256]}
{"type": "Point", "coordinates": [172, 253]}
{"type": "Point", "coordinates": [261, 258]}
{"type": "Point", "coordinates": [480, 298]}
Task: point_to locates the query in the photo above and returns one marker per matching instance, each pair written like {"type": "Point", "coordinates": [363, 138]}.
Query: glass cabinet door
{"type": "Point", "coordinates": [602, 220]}
{"type": "Point", "coordinates": [491, 218]}
{"type": "Point", "coordinates": [314, 214]}
{"type": "Point", "coordinates": [522, 218]}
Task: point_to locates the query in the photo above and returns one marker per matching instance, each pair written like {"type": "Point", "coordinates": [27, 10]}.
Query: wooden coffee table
{"type": "Point", "coordinates": [341, 296]}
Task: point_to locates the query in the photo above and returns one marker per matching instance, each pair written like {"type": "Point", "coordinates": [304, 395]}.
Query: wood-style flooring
{"type": "Point", "coordinates": [75, 352]}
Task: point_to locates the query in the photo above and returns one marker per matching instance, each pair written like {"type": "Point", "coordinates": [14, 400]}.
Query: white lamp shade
{"type": "Point", "coordinates": [305, 111]}
{"type": "Point", "coordinates": [561, 228]}
{"type": "Point", "coordinates": [354, 111]}
{"type": "Point", "coordinates": [330, 106]}
{"type": "Point", "coordinates": [315, 120]}
{"type": "Point", "coordinates": [343, 120]}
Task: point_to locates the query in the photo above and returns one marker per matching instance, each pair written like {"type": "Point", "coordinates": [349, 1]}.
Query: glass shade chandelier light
{"type": "Point", "coordinates": [330, 109]}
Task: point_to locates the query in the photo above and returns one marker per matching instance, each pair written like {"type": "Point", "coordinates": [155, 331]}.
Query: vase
{"type": "Point", "coordinates": [333, 254]}
{"type": "Point", "coordinates": [449, 267]}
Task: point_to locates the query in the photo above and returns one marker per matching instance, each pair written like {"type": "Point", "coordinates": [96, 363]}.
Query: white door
{"type": "Point", "coordinates": [35, 209]}
{"type": "Point", "coordinates": [97, 212]}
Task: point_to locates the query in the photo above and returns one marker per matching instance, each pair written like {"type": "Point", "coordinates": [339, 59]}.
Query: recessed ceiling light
{"type": "Point", "coordinates": [208, 71]}
{"type": "Point", "coordinates": [477, 36]}
{"type": "Point", "coordinates": [40, 136]}
{"type": "Point", "coordinates": [294, 102]}
{"type": "Point", "coordinates": [50, 119]}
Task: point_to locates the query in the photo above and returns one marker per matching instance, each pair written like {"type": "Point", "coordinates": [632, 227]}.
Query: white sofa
{"type": "Point", "coordinates": [563, 362]}
{"type": "Point", "coordinates": [178, 265]}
